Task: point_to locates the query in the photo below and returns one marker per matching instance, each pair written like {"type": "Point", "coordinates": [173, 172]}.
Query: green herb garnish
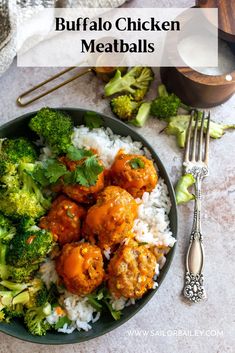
{"type": "Point", "coordinates": [136, 163]}
{"type": "Point", "coordinates": [86, 173]}
{"type": "Point", "coordinates": [76, 154]}
{"type": "Point", "coordinates": [49, 172]}
{"type": "Point", "coordinates": [62, 321]}
{"type": "Point", "coordinates": [69, 214]}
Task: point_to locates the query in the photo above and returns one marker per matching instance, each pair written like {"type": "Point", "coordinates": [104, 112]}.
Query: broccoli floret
{"type": "Point", "coordinates": [124, 107]}
{"type": "Point", "coordinates": [27, 199]}
{"type": "Point", "coordinates": [19, 150]}
{"type": "Point", "coordinates": [13, 297]}
{"type": "Point", "coordinates": [35, 319]}
{"type": "Point", "coordinates": [178, 126]}
{"type": "Point", "coordinates": [166, 105]}
{"type": "Point", "coordinates": [54, 127]}
{"type": "Point", "coordinates": [8, 173]}
{"type": "Point", "coordinates": [20, 274]}
{"type": "Point", "coordinates": [7, 230]}
{"type": "Point", "coordinates": [16, 274]}
{"type": "Point", "coordinates": [136, 82]}
{"type": "Point", "coordinates": [142, 115]}
{"type": "Point", "coordinates": [29, 247]}
{"type": "Point", "coordinates": [181, 191]}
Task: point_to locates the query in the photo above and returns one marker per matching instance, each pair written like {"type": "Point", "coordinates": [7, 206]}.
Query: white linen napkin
{"type": "Point", "coordinates": [8, 17]}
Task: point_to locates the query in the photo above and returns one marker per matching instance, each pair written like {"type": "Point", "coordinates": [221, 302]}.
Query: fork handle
{"type": "Point", "coordinates": [194, 289]}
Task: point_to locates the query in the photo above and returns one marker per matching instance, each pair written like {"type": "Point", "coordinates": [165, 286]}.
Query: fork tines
{"type": "Point", "coordinates": [195, 138]}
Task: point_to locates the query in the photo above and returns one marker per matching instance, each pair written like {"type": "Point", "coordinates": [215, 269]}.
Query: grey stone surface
{"type": "Point", "coordinates": [167, 323]}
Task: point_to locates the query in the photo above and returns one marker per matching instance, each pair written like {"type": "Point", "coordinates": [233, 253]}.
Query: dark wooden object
{"type": "Point", "coordinates": [200, 90]}
{"type": "Point", "coordinates": [226, 16]}
{"type": "Point", "coordinates": [196, 89]}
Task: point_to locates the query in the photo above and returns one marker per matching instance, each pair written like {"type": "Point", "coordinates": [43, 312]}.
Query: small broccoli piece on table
{"type": "Point", "coordinates": [178, 126]}
{"type": "Point", "coordinates": [54, 127]}
{"type": "Point", "coordinates": [142, 114]}
{"type": "Point", "coordinates": [26, 198]}
{"type": "Point", "coordinates": [135, 82]}
{"type": "Point", "coordinates": [18, 150]}
{"type": "Point", "coordinates": [29, 247]}
{"type": "Point", "coordinates": [166, 105]}
{"type": "Point", "coordinates": [35, 319]}
{"type": "Point", "coordinates": [181, 191]}
{"type": "Point", "coordinates": [124, 107]}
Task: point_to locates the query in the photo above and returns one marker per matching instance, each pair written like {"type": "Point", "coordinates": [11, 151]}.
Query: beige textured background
{"type": "Point", "coordinates": [167, 311]}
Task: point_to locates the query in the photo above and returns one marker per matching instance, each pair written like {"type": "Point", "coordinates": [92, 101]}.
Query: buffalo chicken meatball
{"type": "Point", "coordinates": [131, 271]}
{"type": "Point", "coordinates": [111, 219]}
{"type": "Point", "coordinates": [78, 192]}
{"type": "Point", "coordinates": [134, 173]}
{"type": "Point", "coordinates": [81, 268]}
{"type": "Point", "coordinates": [64, 220]}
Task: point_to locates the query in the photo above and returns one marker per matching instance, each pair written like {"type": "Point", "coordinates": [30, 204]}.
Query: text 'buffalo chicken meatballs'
{"type": "Point", "coordinates": [78, 192]}
{"type": "Point", "coordinates": [64, 220]}
{"type": "Point", "coordinates": [131, 271]}
{"type": "Point", "coordinates": [134, 173]}
{"type": "Point", "coordinates": [81, 267]}
{"type": "Point", "coordinates": [111, 218]}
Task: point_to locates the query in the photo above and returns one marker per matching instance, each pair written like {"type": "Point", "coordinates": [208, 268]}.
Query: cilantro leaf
{"type": "Point", "coordinates": [86, 174]}
{"type": "Point", "coordinates": [54, 170]}
{"type": "Point", "coordinates": [136, 163]}
{"type": "Point", "coordinates": [93, 301]}
{"type": "Point", "coordinates": [76, 154]}
{"type": "Point", "coordinates": [116, 314]}
{"type": "Point", "coordinates": [93, 120]}
{"type": "Point", "coordinates": [49, 172]}
{"type": "Point", "coordinates": [38, 175]}
{"type": "Point", "coordinates": [62, 321]}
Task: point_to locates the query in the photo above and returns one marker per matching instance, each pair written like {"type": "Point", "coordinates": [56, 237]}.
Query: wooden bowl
{"type": "Point", "coordinates": [196, 89]}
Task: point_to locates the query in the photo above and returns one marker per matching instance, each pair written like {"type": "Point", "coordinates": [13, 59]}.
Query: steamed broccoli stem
{"type": "Point", "coordinates": [35, 319]}
{"type": "Point", "coordinates": [13, 297]}
{"type": "Point", "coordinates": [124, 107]}
{"type": "Point", "coordinates": [142, 115]}
{"type": "Point", "coordinates": [4, 271]}
{"type": "Point", "coordinates": [178, 126]}
{"type": "Point", "coordinates": [136, 82]}
{"type": "Point", "coordinates": [181, 191]}
{"type": "Point", "coordinates": [7, 230]}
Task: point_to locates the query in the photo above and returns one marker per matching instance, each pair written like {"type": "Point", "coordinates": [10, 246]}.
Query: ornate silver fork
{"type": "Point", "coordinates": [196, 163]}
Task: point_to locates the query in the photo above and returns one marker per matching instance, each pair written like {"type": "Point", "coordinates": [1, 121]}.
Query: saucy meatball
{"type": "Point", "coordinates": [131, 271]}
{"type": "Point", "coordinates": [64, 220]}
{"type": "Point", "coordinates": [78, 192]}
{"type": "Point", "coordinates": [111, 218]}
{"type": "Point", "coordinates": [80, 267]}
{"type": "Point", "coordinates": [134, 173]}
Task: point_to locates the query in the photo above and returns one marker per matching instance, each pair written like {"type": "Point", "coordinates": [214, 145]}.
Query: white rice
{"type": "Point", "coordinates": [48, 273]}
{"type": "Point", "coordinates": [152, 225]}
{"type": "Point", "coordinates": [105, 142]}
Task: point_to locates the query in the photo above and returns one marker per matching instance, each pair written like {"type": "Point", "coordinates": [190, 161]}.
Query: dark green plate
{"type": "Point", "coordinates": [19, 127]}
